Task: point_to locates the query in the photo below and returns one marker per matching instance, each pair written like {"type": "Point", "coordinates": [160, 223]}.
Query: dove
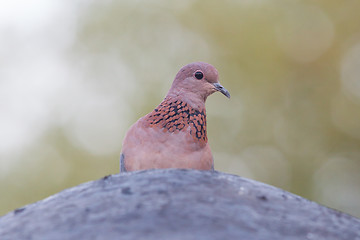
{"type": "Point", "coordinates": [174, 134]}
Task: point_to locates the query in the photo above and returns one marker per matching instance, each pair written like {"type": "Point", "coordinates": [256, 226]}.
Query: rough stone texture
{"type": "Point", "coordinates": [177, 204]}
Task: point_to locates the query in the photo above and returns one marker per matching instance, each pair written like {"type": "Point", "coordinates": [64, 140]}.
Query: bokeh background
{"type": "Point", "coordinates": [74, 75]}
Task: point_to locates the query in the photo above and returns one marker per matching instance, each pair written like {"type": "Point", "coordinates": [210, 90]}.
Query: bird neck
{"type": "Point", "coordinates": [175, 115]}
{"type": "Point", "coordinates": [194, 99]}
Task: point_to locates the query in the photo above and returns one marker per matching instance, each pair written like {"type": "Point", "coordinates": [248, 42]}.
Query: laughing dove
{"type": "Point", "coordinates": [173, 135]}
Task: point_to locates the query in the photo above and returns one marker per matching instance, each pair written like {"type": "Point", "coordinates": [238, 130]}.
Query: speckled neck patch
{"type": "Point", "coordinates": [174, 115]}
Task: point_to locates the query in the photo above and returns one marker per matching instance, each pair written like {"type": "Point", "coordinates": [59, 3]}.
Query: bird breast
{"type": "Point", "coordinates": [176, 116]}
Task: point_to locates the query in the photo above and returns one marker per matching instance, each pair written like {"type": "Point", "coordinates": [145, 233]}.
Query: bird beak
{"type": "Point", "coordinates": [221, 89]}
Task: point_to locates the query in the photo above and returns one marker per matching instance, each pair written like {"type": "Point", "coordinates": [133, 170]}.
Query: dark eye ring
{"type": "Point", "coordinates": [199, 75]}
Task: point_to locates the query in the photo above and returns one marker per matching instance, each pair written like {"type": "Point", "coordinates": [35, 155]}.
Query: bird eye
{"type": "Point", "coordinates": [199, 75]}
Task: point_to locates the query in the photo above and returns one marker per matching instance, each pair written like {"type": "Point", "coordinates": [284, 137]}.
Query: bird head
{"type": "Point", "coordinates": [198, 79]}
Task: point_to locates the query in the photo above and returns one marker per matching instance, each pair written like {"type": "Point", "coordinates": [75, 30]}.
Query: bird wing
{"type": "Point", "coordinates": [122, 163]}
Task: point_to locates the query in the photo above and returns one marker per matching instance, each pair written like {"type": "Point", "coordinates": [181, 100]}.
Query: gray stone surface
{"type": "Point", "coordinates": [177, 204]}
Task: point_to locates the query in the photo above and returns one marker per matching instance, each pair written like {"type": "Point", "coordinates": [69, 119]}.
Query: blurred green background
{"type": "Point", "coordinates": [74, 75]}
